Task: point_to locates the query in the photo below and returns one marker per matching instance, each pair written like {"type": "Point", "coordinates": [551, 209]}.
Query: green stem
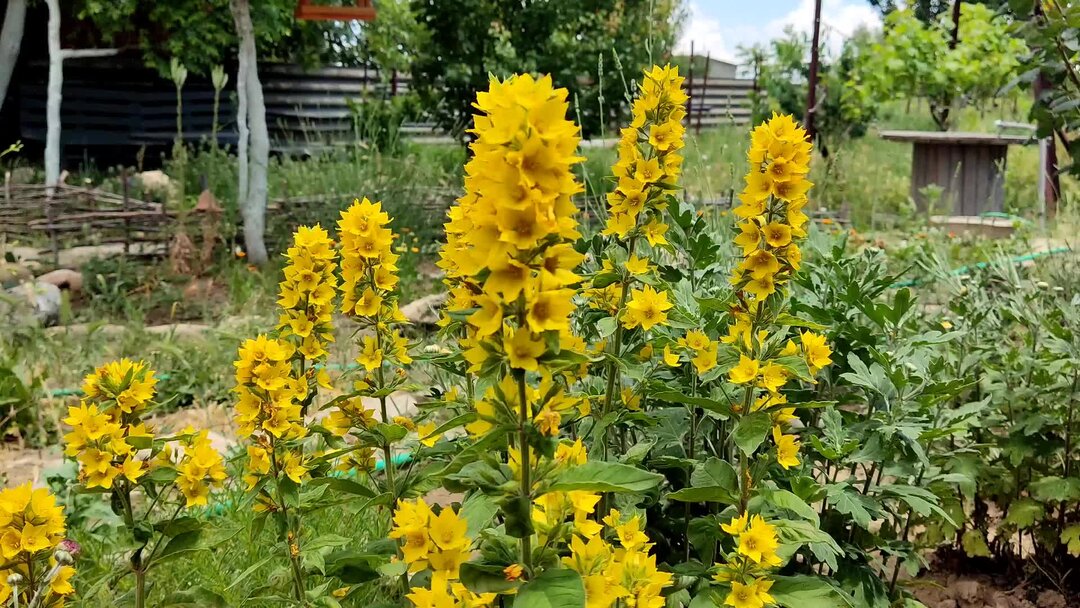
{"type": "Point", "coordinates": [526, 469]}
{"type": "Point", "coordinates": [291, 536]}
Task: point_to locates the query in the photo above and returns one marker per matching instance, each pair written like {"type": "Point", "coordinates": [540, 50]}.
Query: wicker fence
{"type": "Point", "coordinates": [70, 216]}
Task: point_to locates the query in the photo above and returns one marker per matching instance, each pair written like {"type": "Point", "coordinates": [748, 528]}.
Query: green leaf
{"type": "Point", "coordinates": [711, 481]}
{"type": "Point", "coordinates": [478, 510]}
{"type": "Point", "coordinates": [345, 486]}
{"type": "Point", "coordinates": [1056, 489]}
{"type": "Point", "coordinates": [250, 570]}
{"type": "Point", "coordinates": [1024, 513]}
{"type": "Point", "coordinates": [603, 476]}
{"type": "Point", "coordinates": [197, 597]}
{"type": "Point", "coordinates": [789, 320]}
{"type": "Point", "coordinates": [1071, 537]}
{"type": "Point", "coordinates": [974, 544]}
{"type": "Point", "coordinates": [848, 501]}
{"type": "Point", "coordinates": [718, 407]}
{"type": "Point", "coordinates": [607, 326]}
{"type": "Point", "coordinates": [485, 578]}
{"type": "Point", "coordinates": [552, 589]}
{"type": "Point", "coordinates": [180, 544]}
{"type": "Point", "coordinates": [808, 592]}
{"type": "Point", "coordinates": [751, 431]}
{"type": "Point", "coordinates": [784, 499]}
{"type": "Point", "coordinates": [354, 567]}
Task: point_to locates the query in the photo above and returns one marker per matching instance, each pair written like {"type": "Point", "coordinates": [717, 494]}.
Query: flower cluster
{"type": "Point", "coordinates": [106, 427]}
{"type": "Point", "coordinates": [697, 347]}
{"type": "Point", "coordinates": [649, 161]}
{"type": "Point", "coordinates": [508, 238]}
{"type": "Point", "coordinates": [33, 563]}
{"type": "Point", "coordinates": [620, 572]}
{"type": "Point", "coordinates": [748, 564]}
{"type": "Point", "coordinates": [269, 394]}
{"type": "Point", "coordinates": [439, 543]}
{"type": "Point", "coordinates": [771, 206]}
{"type": "Point", "coordinates": [369, 273]}
{"type": "Point", "coordinates": [307, 292]}
{"type": "Point", "coordinates": [198, 467]}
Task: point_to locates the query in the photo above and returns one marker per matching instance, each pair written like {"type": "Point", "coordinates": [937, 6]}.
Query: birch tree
{"type": "Point", "coordinates": [10, 42]}
{"type": "Point", "coordinates": [253, 204]}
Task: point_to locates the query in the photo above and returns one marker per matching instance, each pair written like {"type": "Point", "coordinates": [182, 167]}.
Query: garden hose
{"type": "Point", "coordinates": [1028, 257]}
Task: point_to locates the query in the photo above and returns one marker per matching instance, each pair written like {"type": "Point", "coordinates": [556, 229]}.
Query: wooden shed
{"type": "Point", "coordinates": [968, 167]}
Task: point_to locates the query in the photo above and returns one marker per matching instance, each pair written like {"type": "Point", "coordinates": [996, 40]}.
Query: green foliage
{"type": "Point", "coordinates": [591, 48]}
{"type": "Point", "coordinates": [1050, 69]}
{"type": "Point", "coordinates": [201, 33]}
{"type": "Point", "coordinates": [846, 101]}
{"type": "Point", "coordinates": [916, 59]}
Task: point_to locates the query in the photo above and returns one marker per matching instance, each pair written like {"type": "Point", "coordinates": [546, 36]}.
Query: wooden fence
{"type": "Point", "coordinates": [718, 102]}
{"type": "Point", "coordinates": [71, 216]}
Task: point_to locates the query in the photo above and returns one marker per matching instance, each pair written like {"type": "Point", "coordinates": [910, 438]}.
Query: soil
{"type": "Point", "coordinates": [956, 581]}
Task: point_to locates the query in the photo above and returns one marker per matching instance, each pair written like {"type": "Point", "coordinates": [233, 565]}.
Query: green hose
{"type": "Point", "coordinates": [1028, 257]}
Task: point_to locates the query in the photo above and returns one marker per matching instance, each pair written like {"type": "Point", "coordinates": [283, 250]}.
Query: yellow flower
{"type": "Point", "coordinates": [760, 264]}
{"type": "Point", "coordinates": [426, 433]}
{"type": "Point", "coordinates": [523, 349]}
{"type": "Point", "coordinates": [816, 351]}
{"type": "Point", "coordinates": [743, 596]}
{"type": "Point", "coordinates": [647, 308]}
{"type": "Point", "coordinates": [736, 526]}
{"type": "Point", "coordinates": [488, 319]}
{"type": "Point", "coordinates": [550, 310]}
{"type": "Point", "coordinates": [371, 355]}
{"type": "Point", "coordinates": [777, 234]}
{"type": "Point", "coordinates": [636, 265]}
{"type": "Point", "coordinates": [749, 237]}
{"type": "Point", "coordinates": [787, 449]}
{"type": "Point", "coordinates": [654, 232]}
{"type": "Point", "coordinates": [759, 543]}
{"type": "Point", "coordinates": [670, 359]}
{"type": "Point", "coordinates": [773, 377]}
{"type": "Point", "coordinates": [448, 531]}
{"type": "Point", "coordinates": [745, 371]}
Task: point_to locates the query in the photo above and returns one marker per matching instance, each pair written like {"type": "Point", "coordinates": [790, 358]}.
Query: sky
{"type": "Point", "coordinates": [721, 26]}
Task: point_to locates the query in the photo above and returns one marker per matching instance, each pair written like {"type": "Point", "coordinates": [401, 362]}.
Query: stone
{"type": "Point", "coordinates": [1051, 599]}
{"type": "Point", "coordinates": [33, 302]}
{"type": "Point", "coordinates": [179, 330]}
{"type": "Point", "coordinates": [86, 329]}
{"type": "Point", "coordinates": [424, 311]}
{"type": "Point", "coordinates": [13, 273]}
{"type": "Point", "coordinates": [64, 278]}
{"type": "Point", "coordinates": [966, 593]}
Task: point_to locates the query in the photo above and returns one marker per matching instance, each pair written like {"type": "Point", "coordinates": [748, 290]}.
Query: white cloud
{"type": "Point", "coordinates": [839, 19]}
{"type": "Point", "coordinates": [706, 33]}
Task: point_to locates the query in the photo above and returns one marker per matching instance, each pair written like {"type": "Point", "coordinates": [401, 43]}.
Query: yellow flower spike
{"type": "Point", "coordinates": [743, 596]}
{"type": "Point", "coordinates": [636, 265]}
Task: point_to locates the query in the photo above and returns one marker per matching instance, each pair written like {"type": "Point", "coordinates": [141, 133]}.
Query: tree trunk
{"type": "Point", "coordinates": [10, 42]}
{"type": "Point", "coordinates": [253, 206]}
{"type": "Point", "coordinates": [53, 97]}
{"type": "Point", "coordinates": [812, 81]}
{"type": "Point", "coordinates": [242, 126]}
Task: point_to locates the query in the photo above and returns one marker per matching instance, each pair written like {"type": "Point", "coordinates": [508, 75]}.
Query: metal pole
{"type": "Point", "coordinates": [690, 88]}
{"type": "Point", "coordinates": [704, 91]}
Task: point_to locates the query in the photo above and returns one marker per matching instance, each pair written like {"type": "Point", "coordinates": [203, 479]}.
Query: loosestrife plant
{"type": "Point", "coordinates": [150, 480]}
{"type": "Point", "coordinates": [277, 379]}
{"type": "Point", "coordinates": [35, 560]}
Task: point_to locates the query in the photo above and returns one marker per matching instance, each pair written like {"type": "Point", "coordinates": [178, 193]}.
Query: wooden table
{"type": "Point", "coordinates": [969, 167]}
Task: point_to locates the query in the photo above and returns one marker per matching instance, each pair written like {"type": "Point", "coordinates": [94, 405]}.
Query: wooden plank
{"type": "Point", "coordinates": [955, 137]}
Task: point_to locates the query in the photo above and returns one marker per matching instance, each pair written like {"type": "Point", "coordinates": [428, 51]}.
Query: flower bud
{"type": "Point", "coordinates": [71, 547]}
{"type": "Point", "coordinates": [63, 557]}
{"type": "Point", "coordinates": [15, 579]}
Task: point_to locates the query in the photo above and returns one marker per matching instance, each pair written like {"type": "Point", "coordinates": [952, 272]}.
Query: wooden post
{"type": "Point", "coordinates": [393, 83]}
{"type": "Point", "coordinates": [955, 35]}
{"type": "Point", "coordinates": [51, 219]}
{"type": "Point", "coordinates": [815, 59]}
{"type": "Point", "coordinates": [1050, 184]}
{"type": "Point", "coordinates": [127, 222]}
{"type": "Point", "coordinates": [704, 90]}
{"type": "Point", "coordinates": [690, 88]}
